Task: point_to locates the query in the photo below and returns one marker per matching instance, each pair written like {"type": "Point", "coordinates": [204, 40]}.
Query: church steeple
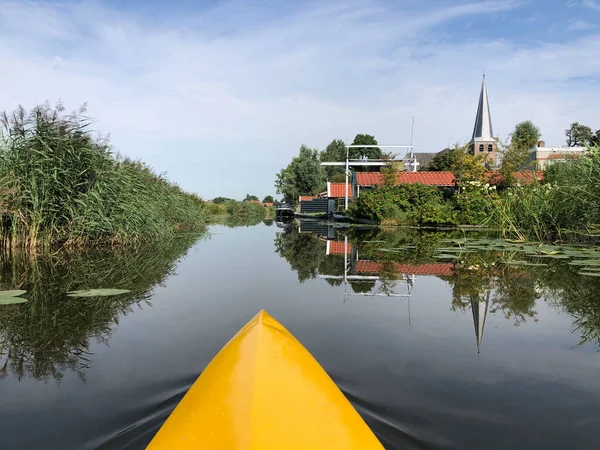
{"type": "Point", "coordinates": [482, 140]}
{"type": "Point", "coordinates": [483, 120]}
{"type": "Point", "coordinates": [479, 308]}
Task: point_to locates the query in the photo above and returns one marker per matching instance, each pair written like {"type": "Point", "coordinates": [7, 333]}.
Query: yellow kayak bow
{"type": "Point", "coordinates": [264, 391]}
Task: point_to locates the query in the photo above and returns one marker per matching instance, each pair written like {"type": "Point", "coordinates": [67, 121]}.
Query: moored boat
{"type": "Point", "coordinates": [284, 211]}
{"type": "Point", "coordinates": [265, 391]}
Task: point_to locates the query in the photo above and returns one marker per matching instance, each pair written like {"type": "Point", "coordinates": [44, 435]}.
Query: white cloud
{"type": "Point", "coordinates": [579, 25]}
{"type": "Point", "coordinates": [222, 101]}
{"type": "Point", "coordinates": [591, 4]}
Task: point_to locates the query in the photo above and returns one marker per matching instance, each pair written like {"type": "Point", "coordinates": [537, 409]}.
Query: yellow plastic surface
{"type": "Point", "coordinates": [264, 391]}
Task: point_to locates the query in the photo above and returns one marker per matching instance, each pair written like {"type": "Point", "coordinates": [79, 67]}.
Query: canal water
{"type": "Point", "coordinates": [441, 340]}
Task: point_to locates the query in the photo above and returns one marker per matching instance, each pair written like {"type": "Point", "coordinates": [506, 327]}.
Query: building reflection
{"type": "Point", "coordinates": [361, 276]}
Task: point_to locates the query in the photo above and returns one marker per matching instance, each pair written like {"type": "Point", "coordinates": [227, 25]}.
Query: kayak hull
{"type": "Point", "coordinates": [264, 391]}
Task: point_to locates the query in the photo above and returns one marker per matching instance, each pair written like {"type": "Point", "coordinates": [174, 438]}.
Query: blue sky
{"type": "Point", "coordinates": [220, 95]}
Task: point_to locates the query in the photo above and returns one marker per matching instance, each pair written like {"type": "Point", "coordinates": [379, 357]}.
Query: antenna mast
{"type": "Point", "coordinates": [412, 128]}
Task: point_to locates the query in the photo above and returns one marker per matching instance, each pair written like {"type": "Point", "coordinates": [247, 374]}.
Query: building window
{"type": "Point", "coordinates": [480, 147]}
{"type": "Point", "coordinates": [490, 148]}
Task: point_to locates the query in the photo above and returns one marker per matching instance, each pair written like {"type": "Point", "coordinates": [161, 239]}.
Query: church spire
{"type": "Point", "coordinates": [483, 121]}
{"type": "Point", "coordinates": [479, 308]}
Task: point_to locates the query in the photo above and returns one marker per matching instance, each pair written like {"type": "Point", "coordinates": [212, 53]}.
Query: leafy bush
{"type": "Point", "coordinates": [404, 204]}
{"type": "Point", "coordinates": [246, 209]}
{"type": "Point", "coordinates": [474, 202]}
{"type": "Point", "coordinates": [216, 209]}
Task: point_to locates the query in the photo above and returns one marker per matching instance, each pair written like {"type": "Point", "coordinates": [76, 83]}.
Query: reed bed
{"type": "Point", "coordinates": [565, 206]}
{"type": "Point", "coordinates": [61, 185]}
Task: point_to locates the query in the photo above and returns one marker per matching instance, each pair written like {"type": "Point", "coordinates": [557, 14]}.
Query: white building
{"type": "Point", "coordinates": [542, 155]}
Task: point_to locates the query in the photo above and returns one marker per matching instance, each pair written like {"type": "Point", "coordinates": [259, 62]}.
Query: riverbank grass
{"type": "Point", "coordinates": [61, 185]}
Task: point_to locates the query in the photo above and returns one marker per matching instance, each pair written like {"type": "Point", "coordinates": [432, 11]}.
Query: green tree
{"type": "Point", "coordinates": [595, 138]}
{"type": "Point", "coordinates": [369, 152]}
{"type": "Point", "coordinates": [403, 204]}
{"type": "Point", "coordinates": [578, 135]}
{"type": "Point", "coordinates": [467, 167]}
{"type": "Point", "coordinates": [250, 197]}
{"type": "Point", "coordinates": [268, 199]}
{"type": "Point", "coordinates": [514, 156]}
{"type": "Point", "coordinates": [525, 136]}
{"type": "Point", "coordinates": [335, 151]}
{"type": "Point", "coordinates": [442, 161]}
{"type": "Point", "coordinates": [513, 159]}
{"type": "Point", "coordinates": [303, 176]}
{"type": "Point", "coordinates": [390, 171]}
{"type": "Point", "coordinates": [220, 200]}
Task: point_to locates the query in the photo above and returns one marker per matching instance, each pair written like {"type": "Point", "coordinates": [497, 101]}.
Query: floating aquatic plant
{"type": "Point", "coordinates": [12, 297]}
{"type": "Point", "coordinates": [445, 256]}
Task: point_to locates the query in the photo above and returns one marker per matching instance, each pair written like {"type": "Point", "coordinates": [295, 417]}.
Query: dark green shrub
{"type": "Point", "coordinates": [404, 204]}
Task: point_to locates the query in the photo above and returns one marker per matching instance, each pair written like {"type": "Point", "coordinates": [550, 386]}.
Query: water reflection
{"type": "Point", "coordinates": [52, 333]}
{"type": "Point", "coordinates": [393, 262]}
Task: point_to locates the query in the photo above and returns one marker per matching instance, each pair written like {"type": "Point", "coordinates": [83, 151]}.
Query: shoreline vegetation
{"type": "Point", "coordinates": [62, 186]}
{"type": "Point", "coordinates": [557, 204]}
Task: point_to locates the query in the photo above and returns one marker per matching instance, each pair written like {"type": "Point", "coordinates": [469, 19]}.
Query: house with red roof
{"type": "Point", "coordinates": [338, 190]}
{"type": "Point", "coordinates": [367, 180]}
{"type": "Point", "coordinates": [338, 248]}
{"type": "Point", "coordinates": [375, 267]}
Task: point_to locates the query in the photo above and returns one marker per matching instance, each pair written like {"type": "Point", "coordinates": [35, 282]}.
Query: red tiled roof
{"type": "Point", "coordinates": [525, 175]}
{"type": "Point", "coordinates": [421, 269]}
{"type": "Point", "coordinates": [307, 198]}
{"type": "Point", "coordinates": [337, 190]}
{"type": "Point", "coordinates": [337, 247]}
{"type": "Point", "coordinates": [435, 178]}
{"type": "Point", "coordinates": [429, 178]}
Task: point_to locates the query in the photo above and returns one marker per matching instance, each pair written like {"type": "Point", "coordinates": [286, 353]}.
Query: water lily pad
{"type": "Point", "coordinates": [589, 269]}
{"type": "Point", "coordinates": [525, 263]}
{"type": "Point", "coordinates": [446, 256]}
{"type": "Point", "coordinates": [97, 292]}
{"type": "Point", "coordinates": [11, 300]}
{"type": "Point", "coordinates": [13, 293]}
{"type": "Point", "coordinates": [460, 241]}
{"type": "Point", "coordinates": [585, 262]}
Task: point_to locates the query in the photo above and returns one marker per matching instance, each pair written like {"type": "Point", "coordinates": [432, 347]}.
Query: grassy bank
{"type": "Point", "coordinates": [60, 185]}
{"type": "Point", "coordinates": [235, 210]}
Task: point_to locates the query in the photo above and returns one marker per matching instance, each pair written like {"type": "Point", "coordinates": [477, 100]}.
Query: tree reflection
{"type": "Point", "coordinates": [332, 265]}
{"type": "Point", "coordinates": [303, 251]}
{"type": "Point", "coordinates": [52, 333]}
{"type": "Point", "coordinates": [511, 289]}
{"type": "Point", "coordinates": [577, 295]}
{"type": "Point", "coordinates": [482, 281]}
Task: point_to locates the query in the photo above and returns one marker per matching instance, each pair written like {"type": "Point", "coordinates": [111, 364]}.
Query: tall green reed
{"type": "Point", "coordinates": [60, 185]}
{"type": "Point", "coordinates": [565, 206]}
